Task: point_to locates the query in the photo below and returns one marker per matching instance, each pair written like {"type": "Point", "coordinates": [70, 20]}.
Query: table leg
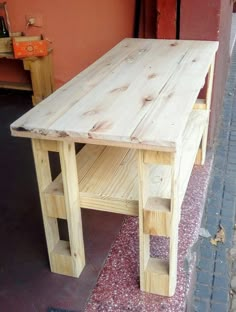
{"type": "Point", "coordinates": [159, 215]}
{"type": "Point", "coordinates": [205, 105]}
{"type": "Point", "coordinates": [208, 107]}
{"type": "Point", "coordinates": [65, 257]}
{"type": "Point", "coordinates": [41, 76]}
{"type": "Point", "coordinates": [72, 204]}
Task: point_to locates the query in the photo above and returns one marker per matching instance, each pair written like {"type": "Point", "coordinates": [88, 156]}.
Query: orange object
{"type": "Point", "coordinates": [29, 46]}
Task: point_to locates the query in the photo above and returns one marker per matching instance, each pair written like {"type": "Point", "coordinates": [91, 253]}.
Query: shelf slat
{"type": "Point", "coordinates": [108, 177]}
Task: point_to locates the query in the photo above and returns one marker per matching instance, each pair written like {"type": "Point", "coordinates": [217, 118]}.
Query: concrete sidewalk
{"type": "Point", "coordinates": [216, 264]}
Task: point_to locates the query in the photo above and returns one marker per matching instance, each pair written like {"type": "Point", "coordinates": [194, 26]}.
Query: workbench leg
{"type": "Point", "coordinates": [44, 178]}
{"type": "Point", "coordinates": [72, 204]}
{"type": "Point", "coordinates": [175, 207]}
{"type": "Point", "coordinates": [66, 257]}
{"type": "Point", "coordinates": [41, 76]}
{"type": "Point", "coordinates": [159, 215]}
{"type": "Point", "coordinates": [206, 105]}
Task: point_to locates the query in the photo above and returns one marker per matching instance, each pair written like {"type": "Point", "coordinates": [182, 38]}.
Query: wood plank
{"type": "Point", "coordinates": [174, 225]}
{"type": "Point", "coordinates": [140, 79]}
{"type": "Point", "coordinates": [43, 173]}
{"type": "Point", "coordinates": [124, 185]}
{"type": "Point", "coordinates": [119, 195]}
{"type": "Point", "coordinates": [159, 182]}
{"type": "Point", "coordinates": [200, 104]}
{"type": "Point", "coordinates": [68, 95]}
{"type": "Point", "coordinates": [157, 277]}
{"type": "Point", "coordinates": [173, 117]}
{"type": "Point", "coordinates": [116, 191]}
{"type": "Point", "coordinates": [198, 160]}
{"type": "Point", "coordinates": [72, 204]}
{"type": "Point", "coordinates": [157, 217]}
{"type": "Point", "coordinates": [55, 202]}
{"type": "Point", "coordinates": [51, 146]}
{"type": "Point", "coordinates": [119, 186]}
{"type": "Point", "coordinates": [208, 104]}
{"type": "Point", "coordinates": [191, 141]}
{"type": "Point", "coordinates": [144, 239]}
{"type": "Point", "coordinates": [158, 65]}
{"type": "Point", "coordinates": [114, 205]}
{"type": "Point", "coordinates": [61, 259]}
{"type": "Point", "coordinates": [153, 157]}
{"type": "Point", "coordinates": [54, 193]}
{"type": "Point", "coordinates": [102, 171]}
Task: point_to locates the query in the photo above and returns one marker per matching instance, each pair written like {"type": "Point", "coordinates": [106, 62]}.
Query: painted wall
{"type": "Point", "coordinates": [210, 20]}
{"type": "Point", "coordinates": [80, 31]}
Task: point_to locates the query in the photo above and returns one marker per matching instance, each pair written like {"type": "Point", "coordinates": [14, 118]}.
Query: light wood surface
{"type": "Point", "coordinates": [127, 97]}
{"type": "Point", "coordinates": [137, 106]}
{"type": "Point", "coordinates": [72, 204]}
{"type": "Point", "coordinates": [44, 178]}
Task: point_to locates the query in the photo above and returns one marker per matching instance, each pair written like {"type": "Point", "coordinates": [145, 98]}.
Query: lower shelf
{"type": "Point", "coordinates": [107, 181]}
{"type": "Point", "coordinates": [108, 178]}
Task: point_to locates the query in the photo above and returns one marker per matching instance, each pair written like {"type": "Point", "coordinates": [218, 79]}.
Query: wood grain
{"type": "Point", "coordinates": [129, 96]}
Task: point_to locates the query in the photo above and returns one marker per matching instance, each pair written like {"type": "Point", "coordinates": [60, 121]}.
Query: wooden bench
{"type": "Point", "coordinates": [41, 75]}
{"type": "Point", "coordinates": [136, 110]}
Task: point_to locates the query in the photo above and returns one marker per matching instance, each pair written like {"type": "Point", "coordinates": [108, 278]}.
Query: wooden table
{"type": "Point", "coordinates": [136, 109]}
{"type": "Point", "coordinates": [41, 74]}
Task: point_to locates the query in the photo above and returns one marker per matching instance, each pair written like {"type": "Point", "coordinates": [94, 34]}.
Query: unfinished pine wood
{"type": "Point", "coordinates": [144, 239]}
{"type": "Point", "coordinates": [198, 160]}
{"type": "Point", "coordinates": [41, 72]}
{"type": "Point", "coordinates": [43, 173]}
{"type": "Point", "coordinates": [41, 76]}
{"type": "Point", "coordinates": [116, 190]}
{"type": "Point", "coordinates": [142, 85]}
{"type": "Point", "coordinates": [61, 258]}
{"type": "Point", "coordinates": [189, 150]}
{"type": "Point", "coordinates": [137, 110]}
{"type": "Point", "coordinates": [72, 204]}
{"type": "Point", "coordinates": [174, 224]}
{"type": "Point", "coordinates": [153, 157]}
{"type": "Point", "coordinates": [157, 217]}
{"type": "Point", "coordinates": [157, 276]}
{"type": "Point", "coordinates": [68, 95]}
{"type": "Point", "coordinates": [50, 146]}
{"type": "Point", "coordinates": [200, 104]}
{"type": "Point", "coordinates": [208, 104]}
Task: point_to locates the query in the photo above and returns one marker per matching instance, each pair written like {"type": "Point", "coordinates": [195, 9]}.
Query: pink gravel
{"type": "Point", "coordinates": [117, 288]}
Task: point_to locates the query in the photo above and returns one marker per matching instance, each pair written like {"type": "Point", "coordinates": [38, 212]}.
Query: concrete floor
{"type": "Point", "coordinates": [26, 283]}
